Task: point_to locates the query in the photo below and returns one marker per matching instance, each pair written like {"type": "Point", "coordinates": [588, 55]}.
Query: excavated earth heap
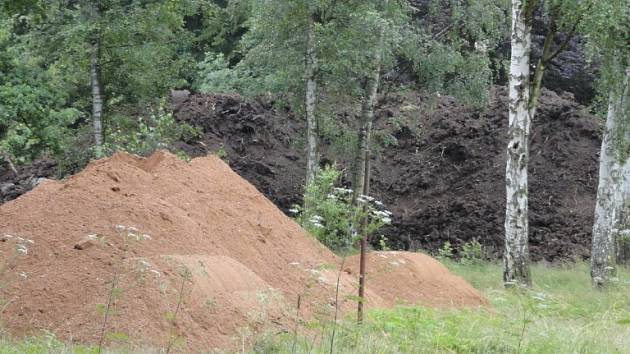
{"type": "Point", "coordinates": [161, 253]}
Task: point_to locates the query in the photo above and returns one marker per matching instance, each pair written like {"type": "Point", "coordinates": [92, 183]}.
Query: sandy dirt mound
{"type": "Point", "coordinates": [199, 258]}
{"type": "Point", "coordinates": [407, 278]}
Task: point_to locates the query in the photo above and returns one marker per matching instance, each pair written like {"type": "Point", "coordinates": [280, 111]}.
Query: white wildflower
{"type": "Point", "coordinates": [294, 211]}
{"type": "Point", "coordinates": [22, 249]}
{"type": "Point", "coordinates": [146, 237]}
{"type": "Point", "coordinates": [378, 202]}
{"type": "Point", "coordinates": [343, 190]}
{"type": "Point", "coordinates": [386, 220]}
{"type": "Point", "coordinates": [23, 275]}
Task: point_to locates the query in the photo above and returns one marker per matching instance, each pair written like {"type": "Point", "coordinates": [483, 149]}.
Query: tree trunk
{"type": "Point", "coordinates": [312, 158]}
{"type": "Point", "coordinates": [362, 164]}
{"type": "Point", "coordinates": [366, 120]}
{"type": "Point", "coordinates": [516, 257]}
{"type": "Point", "coordinates": [623, 235]}
{"type": "Point", "coordinates": [97, 97]}
{"type": "Point", "coordinates": [612, 192]}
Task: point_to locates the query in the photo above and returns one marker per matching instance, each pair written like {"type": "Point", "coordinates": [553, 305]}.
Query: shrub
{"type": "Point", "coordinates": [472, 252]}
{"type": "Point", "coordinates": [146, 134]}
{"type": "Point", "coordinates": [215, 75]}
{"type": "Point", "coordinates": [329, 215]}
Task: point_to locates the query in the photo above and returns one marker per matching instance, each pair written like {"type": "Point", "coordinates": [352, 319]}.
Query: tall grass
{"type": "Point", "coordinates": [562, 313]}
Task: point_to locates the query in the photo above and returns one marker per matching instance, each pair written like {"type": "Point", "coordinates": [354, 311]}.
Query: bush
{"type": "Point", "coordinates": [215, 75]}
{"type": "Point", "coordinates": [329, 215]}
{"type": "Point", "coordinates": [146, 134]}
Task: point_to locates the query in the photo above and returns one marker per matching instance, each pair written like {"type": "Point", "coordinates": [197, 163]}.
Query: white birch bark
{"type": "Point", "coordinates": [312, 160]}
{"type": "Point", "coordinates": [612, 191]}
{"type": "Point", "coordinates": [516, 256]}
{"type": "Point", "coordinates": [97, 97]}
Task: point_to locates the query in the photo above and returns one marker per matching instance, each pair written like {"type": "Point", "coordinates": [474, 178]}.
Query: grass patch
{"type": "Point", "coordinates": [41, 344]}
{"type": "Point", "coordinates": [562, 313]}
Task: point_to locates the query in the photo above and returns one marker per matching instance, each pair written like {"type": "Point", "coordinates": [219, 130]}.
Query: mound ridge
{"type": "Point", "coordinates": [196, 254]}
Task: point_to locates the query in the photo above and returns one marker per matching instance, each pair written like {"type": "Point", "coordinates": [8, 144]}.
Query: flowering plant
{"type": "Point", "coordinates": [330, 215]}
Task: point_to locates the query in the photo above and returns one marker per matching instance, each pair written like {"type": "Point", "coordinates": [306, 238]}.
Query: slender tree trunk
{"type": "Point", "coordinates": [362, 163]}
{"type": "Point", "coordinates": [613, 189]}
{"type": "Point", "coordinates": [97, 96]}
{"type": "Point", "coordinates": [365, 131]}
{"type": "Point", "coordinates": [312, 158]}
{"type": "Point", "coordinates": [516, 256]}
{"type": "Point", "coordinates": [364, 242]}
{"type": "Point", "coordinates": [367, 118]}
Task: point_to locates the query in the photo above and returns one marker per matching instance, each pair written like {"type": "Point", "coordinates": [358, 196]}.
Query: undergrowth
{"type": "Point", "coordinates": [562, 313]}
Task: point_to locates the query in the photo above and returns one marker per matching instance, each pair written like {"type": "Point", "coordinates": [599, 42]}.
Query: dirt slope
{"type": "Point", "coordinates": [447, 183]}
{"type": "Point", "coordinates": [166, 233]}
{"type": "Point", "coordinates": [443, 178]}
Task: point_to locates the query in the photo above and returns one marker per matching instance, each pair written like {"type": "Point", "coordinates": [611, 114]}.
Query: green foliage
{"type": "Point", "coordinates": [144, 135]}
{"type": "Point", "coordinates": [215, 75]}
{"type": "Point", "coordinates": [608, 34]}
{"type": "Point", "coordinates": [446, 251]}
{"type": "Point", "coordinates": [456, 58]}
{"type": "Point", "coordinates": [562, 313]}
{"type": "Point", "coordinates": [218, 26]}
{"type": "Point", "coordinates": [472, 252]}
{"type": "Point", "coordinates": [34, 114]}
{"type": "Point", "coordinates": [329, 215]}
{"type": "Point", "coordinates": [43, 344]}
{"type": "Point", "coordinates": [45, 96]}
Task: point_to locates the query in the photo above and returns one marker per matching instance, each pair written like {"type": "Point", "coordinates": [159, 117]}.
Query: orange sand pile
{"type": "Point", "coordinates": [198, 257]}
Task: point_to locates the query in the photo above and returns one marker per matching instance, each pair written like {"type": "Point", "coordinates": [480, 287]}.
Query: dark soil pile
{"type": "Point", "coordinates": [28, 176]}
{"type": "Point", "coordinates": [198, 257]}
{"type": "Point", "coordinates": [444, 180]}
{"type": "Point", "coordinates": [447, 183]}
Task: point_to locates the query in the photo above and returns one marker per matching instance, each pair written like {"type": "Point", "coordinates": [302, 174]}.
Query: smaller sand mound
{"type": "Point", "coordinates": [406, 278]}
{"type": "Point", "coordinates": [185, 254]}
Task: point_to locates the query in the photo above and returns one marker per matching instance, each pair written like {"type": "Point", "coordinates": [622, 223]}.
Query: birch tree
{"type": "Point", "coordinates": [95, 77]}
{"type": "Point", "coordinates": [516, 268]}
{"type": "Point", "coordinates": [524, 93]}
{"type": "Point", "coordinates": [362, 164]}
{"type": "Point", "coordinates": [113, 56]}
{"type": "Point", "coordinates": [608, 33]}
{"type": "Point", "coordinates": [312, 137]}
{"type": "Point", "coordinates": [285, 57]}
{"type": "Point", "coordinates": [614, 179]}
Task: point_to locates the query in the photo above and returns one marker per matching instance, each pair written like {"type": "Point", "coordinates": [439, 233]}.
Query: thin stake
{"type": "Point", "coordinates": [364, 239]}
